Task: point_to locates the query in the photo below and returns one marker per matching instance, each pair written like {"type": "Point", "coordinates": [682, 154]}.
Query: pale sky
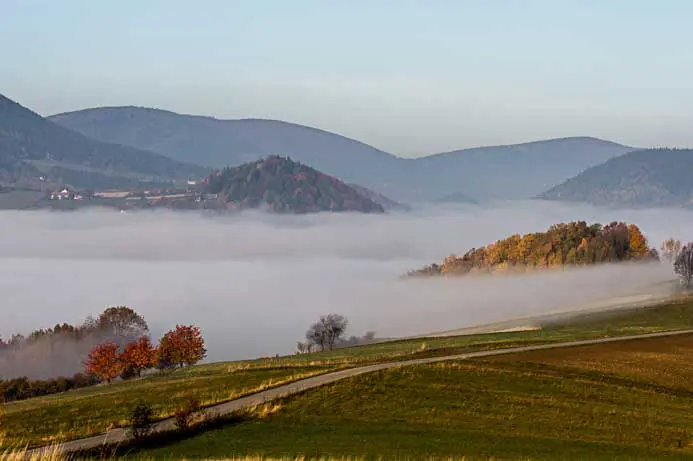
{"type": "Point", "coordinates": [409, 77]}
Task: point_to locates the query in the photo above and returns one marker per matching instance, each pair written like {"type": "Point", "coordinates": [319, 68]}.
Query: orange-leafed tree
{"type": "Point", "coordinates": [138, 356]}
{"type": "Point", "coordinates": [105, 362]}
{"type": "Point", "coordinates": [182, 346]}
{"type": "Point", "coordinates": [637, 242]}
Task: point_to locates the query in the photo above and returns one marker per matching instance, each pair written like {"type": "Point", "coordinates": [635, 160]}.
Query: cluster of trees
{"type": "Point", "coordinates": [60, 351]}
{"type": "Point", "coordinates": [181, 346]}
{"type": "Point", "coordinates": [328, 333]}
{"type": "Point", "coordinates": [283, 185]}
{"type": "Point", "coordinates": [42, 362]}
{"type": "Point", "coordinates": [574, 243]}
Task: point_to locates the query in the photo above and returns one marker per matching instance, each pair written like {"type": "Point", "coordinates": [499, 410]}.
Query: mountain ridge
{"type": "Point", "coordinates": [42, 148]}
{"type": "Point", "coordinates": [495, 172]}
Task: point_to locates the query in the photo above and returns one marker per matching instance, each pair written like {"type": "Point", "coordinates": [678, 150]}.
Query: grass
{"type": "Point", "coordinates": [89, 411]}
{"type": "Point", "coordinates": [620, 401]}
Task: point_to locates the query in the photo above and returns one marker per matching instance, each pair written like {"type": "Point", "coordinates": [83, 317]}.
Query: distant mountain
{"type": "Point", "coordinates": [32, 147]}
{"type": "Point", "coordinates": [282, 185]}
{"type": "Point", "coordinates": [644, 178]}
{"type": "Point", "coordinates": [513, 171]}
{"type": "Point", "coordinates": [500, 172]}
{"type": "Point", "coordinates": [216, 143]}
{"type": "Point", "coordinates": [563, 244]}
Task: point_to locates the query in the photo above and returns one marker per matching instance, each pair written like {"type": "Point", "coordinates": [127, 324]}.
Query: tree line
{"type": "Point", "coordinates": [564, 244]}
{"type": "Point", "coordinates": [67, 357]}
{"type": "Point", "coordinates": [179, 347]}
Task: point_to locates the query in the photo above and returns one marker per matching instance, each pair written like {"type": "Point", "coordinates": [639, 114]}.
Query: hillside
{"type": "Point", "coordinates": [572, 244]}
{"type": "Point", "coordinates": [216, 143]}
{"type": "Point", "coordinates": [499, 172]}
{"type": "Point", "coordinates": [513, 171]}
{"type": "Point", "coordinates": [653, 177]}
{"type": "Point", "coordinates": [31, 147]}
{"type": "Point", "coordinates": [282, 185]}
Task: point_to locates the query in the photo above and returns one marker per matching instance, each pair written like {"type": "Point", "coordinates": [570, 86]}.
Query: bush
{"type": "Point", "coordinates": [141, 420]}
{"type": "Point", "coordinates": [185, 412]}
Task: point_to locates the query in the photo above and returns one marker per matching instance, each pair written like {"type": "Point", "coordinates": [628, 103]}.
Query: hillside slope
{"type": "Point", "coordinates": [499, 172]}
{"type": "Point", "coordinates": [516, 171]}
{"type": "Point", "coordinates": [571, 244]}
{"type": "Point", "coordinates": [282, 185]}
{"type": "Point", "coordinates": [31, 146]}
{"type": "Point", "coordinates": [653, 177]}
{"type": "Point", "coordinates": [215, 143]}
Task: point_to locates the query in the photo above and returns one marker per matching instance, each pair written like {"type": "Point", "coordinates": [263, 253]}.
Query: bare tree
{"type": "Point", "coordinates": [325, 332]}
{"type": "Point", "coordinates": [683, 266]}
{"type": "Point", "coordinates": [671, 249]}
{"type": "Point", "coordinates": [304, 348]}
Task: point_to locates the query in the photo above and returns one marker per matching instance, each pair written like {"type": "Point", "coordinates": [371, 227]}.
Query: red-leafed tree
{"type": "Point", "coordinates": [138, 356]}
{"type": "Point", "coordinates": [182, 346]}
{"type": "Point", "coordinates": [105, 362]}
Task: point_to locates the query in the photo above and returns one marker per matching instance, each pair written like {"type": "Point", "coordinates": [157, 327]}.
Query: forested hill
{"type": "Point", "coordinates": [653, 177]}
{"type": "Point", "coordinates": [282, 185]}
{"type": "Point", "coordinates": [571, 244]}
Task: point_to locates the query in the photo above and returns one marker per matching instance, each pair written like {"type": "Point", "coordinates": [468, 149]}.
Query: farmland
{"type": "Point", "coordinates": [89, 411]}
{"type": "Point", "coordinates": [626, 401]}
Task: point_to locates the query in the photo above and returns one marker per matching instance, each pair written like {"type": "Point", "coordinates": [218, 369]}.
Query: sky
{"type": "Point", "coordinates": [409, 77]}
{"type": "Point", "coordinates": [254, 282]}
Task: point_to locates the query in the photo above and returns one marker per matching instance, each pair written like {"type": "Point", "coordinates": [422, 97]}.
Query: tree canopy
{"type": "Point", "coordinates": [564, 244]}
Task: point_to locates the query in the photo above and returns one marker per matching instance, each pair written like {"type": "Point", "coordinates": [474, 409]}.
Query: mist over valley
{"type": "Point", "coordinates": [254, 281]}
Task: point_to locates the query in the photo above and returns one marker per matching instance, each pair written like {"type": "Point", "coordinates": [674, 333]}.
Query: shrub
{"type": "Point", "coordinates": [141, 420]}
{"type": "Point", "coordinates": [185, 412]}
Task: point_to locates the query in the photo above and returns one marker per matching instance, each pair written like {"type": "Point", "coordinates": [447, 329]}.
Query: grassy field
{"type": "Point", "coordinates": [85, 412]}
{"type": "Point", "coordinates": [89, 411]}
{"type": "Point", "coordinates": [623, 401]}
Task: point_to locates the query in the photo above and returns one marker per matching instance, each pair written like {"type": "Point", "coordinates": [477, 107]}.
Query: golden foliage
{"type": "Point", "coordinates": [563, 244]}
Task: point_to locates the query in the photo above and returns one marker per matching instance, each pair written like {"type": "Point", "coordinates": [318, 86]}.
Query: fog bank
{"type": "Point", "coordinates": [254, 282]}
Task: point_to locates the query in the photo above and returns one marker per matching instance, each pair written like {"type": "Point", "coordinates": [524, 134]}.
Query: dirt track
{"type": "Point", "coordinates": [122, 435]}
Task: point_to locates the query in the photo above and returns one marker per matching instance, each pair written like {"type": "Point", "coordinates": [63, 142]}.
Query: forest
{"type": "Point", "coordinates": [564, 244]}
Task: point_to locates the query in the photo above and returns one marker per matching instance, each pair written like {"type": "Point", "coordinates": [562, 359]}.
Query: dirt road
{"type": "Point", "coordinates": [121, 435]}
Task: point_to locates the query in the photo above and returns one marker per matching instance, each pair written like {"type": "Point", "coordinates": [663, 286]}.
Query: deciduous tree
{"type": "Point", "coordinates": [326, 331]}
{"type": "Point", "coordinates": [683, 266]}
{"type": "Point", "coordinates": [139, 356]}
{"type": "Point", "coordinates": [182, 346]}
{"type": "Point", "coordinates": [105, 362]}
{"type": "Point", "coordinates": [122, 324]}
{"type": "Point", "coordinates": [670, 249]}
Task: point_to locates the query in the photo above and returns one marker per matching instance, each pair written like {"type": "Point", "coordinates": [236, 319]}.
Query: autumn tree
{"type": "Point", "coordinates": [326, 331]}
{"type": "Point", "coordinates": [683, 266]}
{"type": "Point", "coordinates": [138, 356]}
{"type": "Point", "coordinates": [670, 250]}
{"type": "Point", "coordinates": [637, 243]}
{"type": "Point", "coordinates": [104, 362]}
{"type": "Point", "coordinates": [182, 346]}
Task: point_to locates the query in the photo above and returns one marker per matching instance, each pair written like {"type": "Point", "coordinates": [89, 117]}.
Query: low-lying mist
{"type": "Point", "coordinates": [254, 282]}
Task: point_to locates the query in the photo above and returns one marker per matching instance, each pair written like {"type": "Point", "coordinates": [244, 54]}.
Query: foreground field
{"type": "Point", "coordinates": [90, 411]}
{"type": "Point", "coordinates": [85, 412]}
{"type": "Point", "coordinates": [619, 401]}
